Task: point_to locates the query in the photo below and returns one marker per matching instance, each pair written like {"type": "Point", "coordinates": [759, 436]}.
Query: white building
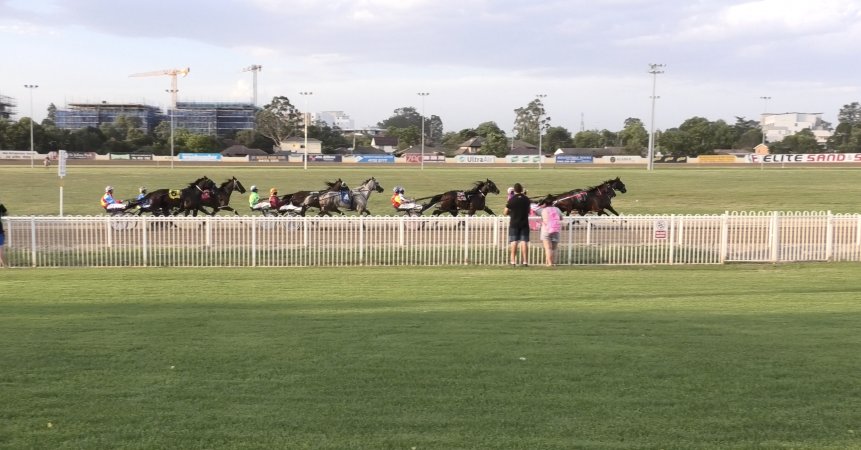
{"type": "Point", "coordinates": [777, 126]}
{"type": "Point", "coordinates": [334, 119]}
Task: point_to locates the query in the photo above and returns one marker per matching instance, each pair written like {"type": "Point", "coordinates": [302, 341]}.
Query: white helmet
{"type": "Point", "coordinates": [142, 189]}
{"type": "Point", "coordinates": [253, 188]}
{"type": "Point", "coordinates": [109, 188]}
{"type": "Point", "coordinates": [396, 189]}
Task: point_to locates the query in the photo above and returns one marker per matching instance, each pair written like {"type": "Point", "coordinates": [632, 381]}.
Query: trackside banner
{"type": "Point", "coordinates": [806, 158]}
{"type": "Point", "coordinates": [375, 159]}
{"type": "Point", "coordinates": [475, 159]}
{"type": "Point", "coordinates": [573, 159]}
{"type": "Point", "coordinates": [200, 156]}
{"type": "Point", "coordinates": [17, 154]}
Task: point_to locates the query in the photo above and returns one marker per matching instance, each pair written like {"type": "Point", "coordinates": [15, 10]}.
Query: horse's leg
{"type": "Point", "coordinates": [489, 211]}
{"type": "Point", "coordinates": [610, 208]}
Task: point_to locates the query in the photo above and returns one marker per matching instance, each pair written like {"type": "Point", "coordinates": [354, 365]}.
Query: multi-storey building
{"type": "Point", "coordinates": [777, 126]}
{"type": "Point", "coordinates": [214, 119]}
{"type": "Point", "coordinates": [83, 115]}
{"type": "Point", "coordinates": [7, 107]}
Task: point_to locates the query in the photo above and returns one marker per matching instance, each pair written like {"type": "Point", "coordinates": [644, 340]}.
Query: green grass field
{"type": "Point", "coordinates": [662, 357]}
{"type": "Point", "coordinates": [704, 190]}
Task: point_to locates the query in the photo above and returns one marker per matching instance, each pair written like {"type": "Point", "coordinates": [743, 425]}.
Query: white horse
{"type": "Point", "coordinates": [356, 201]}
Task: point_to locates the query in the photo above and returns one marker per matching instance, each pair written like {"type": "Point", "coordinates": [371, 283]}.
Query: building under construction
{"type": "Point", "coordinates": [7, 107]}
{"type": "Point", "coordinates": [214, 119]}
{"type": "Point", "coordinates": [210, 119]}
{"type": "Point", "coordinates": [80, 116]}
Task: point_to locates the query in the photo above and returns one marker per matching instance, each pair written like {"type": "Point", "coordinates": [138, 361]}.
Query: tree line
{"type": "Point", "coordinates": [280, 120]}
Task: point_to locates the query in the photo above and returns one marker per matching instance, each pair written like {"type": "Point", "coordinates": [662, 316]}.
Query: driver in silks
{"type": "Point", "coordinates": [109, 202]}
{"type": "Point", "coordinates": [400, 202]}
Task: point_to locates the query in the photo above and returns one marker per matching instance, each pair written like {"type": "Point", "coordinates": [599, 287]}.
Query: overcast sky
{"type": "Point", "coordinates": [478, 59]}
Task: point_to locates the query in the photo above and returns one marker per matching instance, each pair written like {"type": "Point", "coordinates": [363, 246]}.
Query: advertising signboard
{"type": "Point", "coordinates": [375, 159]}
{"type": "Point", "coordinates": [199, 156]}
{"type": "Point", "coordinates": [574, 159]}
{"type": "Point", "coordinates": [475, 159]}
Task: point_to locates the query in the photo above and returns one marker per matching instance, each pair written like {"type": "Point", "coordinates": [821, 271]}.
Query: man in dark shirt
{"type": "Point", "coordinates": [518, 228]}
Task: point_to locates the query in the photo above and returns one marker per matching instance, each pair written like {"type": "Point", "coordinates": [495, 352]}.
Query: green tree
{"type": "Point", "coordinates": [495, 143]}
{"type": "Point", "coordinates": [556, 137]}
{"type": "Point", "coordinates": [88, 139]}
{"type": "Point", "coordinates": [634, 137]}
{"type": "Point", "coordinates": [253, 139]}
{"type": "Point", "coordinates": [530, 120]}
{"type": "Point", "coordinates": [589, 139]}
{"type": "Point", "coordinates": [484, 129]}
{"type": "Point", "coordinates": [675, 142]}
{"type": "Point", "coordinates": [404, 117]}
{"type": "Point", "coordinates": [330, 138]}
{"type": "Point", "coordinates": [280, 120]}
{"type": "Point", "coordinates": [802, 142]}
{"type": "Point", "coordinates": [747, 134]}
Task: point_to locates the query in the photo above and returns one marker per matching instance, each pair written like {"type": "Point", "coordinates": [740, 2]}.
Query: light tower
{"type": "Point", "coordinates": [254, 68]}
{"type": "Point", "coordinates": [654, 69]}
{"type": "Point", "coordinates": [765, 99]}
{"type": "Point", "coordinates": [30, 87]}
{"type": "Point", "coordinates": [306, 94]}
{"type": "Point", "coordinates": [423, 95]}
{"type": "Point", "coordinates": [540, 155]}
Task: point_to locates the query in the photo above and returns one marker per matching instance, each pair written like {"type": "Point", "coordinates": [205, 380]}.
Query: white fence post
{"type": "Point", "coordinates": [829, 237]}
{"type": "Point", "coordinates": [254, 241]}
{"type": "Point", "coordinates": [145, 241]}
{"type": "Point", "coordinates": [724, 237]}
{"type": "Point", "coordinates": [774, 234]}
{"type": "Point", "coordinates": [33, 241]}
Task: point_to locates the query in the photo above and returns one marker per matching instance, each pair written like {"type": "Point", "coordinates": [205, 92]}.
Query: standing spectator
{"type": "Point", "coordinates": [2, 236]}
{"type": "Point", "coordinates": [518, 227]}
{"type": "Point", "coordinates": [551, 225]}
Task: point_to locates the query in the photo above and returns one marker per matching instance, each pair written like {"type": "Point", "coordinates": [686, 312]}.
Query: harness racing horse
{"type": "Point", "coordinates": [471, 200]}
{"type": "Point", "coordinates": [219, 199]}
{"type": "Point", "coordinates": [596, 199]}
{"type": "Point", "coordinates": [311, 199]}
{"type": "Point", "coordinates": [169, 202]}
{"type": "Point", "coordinates": [357, 199]}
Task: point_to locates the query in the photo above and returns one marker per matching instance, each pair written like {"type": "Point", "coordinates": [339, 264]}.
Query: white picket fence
{"type": "Point", "coordinates": [39, 241]}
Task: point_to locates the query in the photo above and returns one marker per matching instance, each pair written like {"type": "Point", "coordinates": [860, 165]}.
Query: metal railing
{"type": "Point", "coordinates": [105, 241]}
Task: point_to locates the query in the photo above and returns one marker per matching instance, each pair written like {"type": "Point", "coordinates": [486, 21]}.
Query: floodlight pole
{"type": "Point", "coordinates": [540, 155]}
{"type": "Point", "coordinates": [307, 118]}
{"type": "Point", "coordinates": [654, 69]}
{"type": "Point", "coordinates": [423, 95]}
{"type": "Point", "coordinates": [765, 99]}
{"type": "Point", "coordinates": [30, 87]}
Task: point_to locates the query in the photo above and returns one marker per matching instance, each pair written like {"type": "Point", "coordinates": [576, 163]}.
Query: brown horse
{"type": "Point", "coordinates": [219, 197]}
{"type": "Point", "coordinates": [471, 200]}
{"type": "Point", "coordinates": [169, 202]}
{"type": "Point", "coordinates": [596, 199]}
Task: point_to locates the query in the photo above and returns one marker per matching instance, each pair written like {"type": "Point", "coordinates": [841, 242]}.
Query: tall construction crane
{"type": "Point", "coordinates": [172, 73]}
{"type": "Point", "coordinates": [254, 68]}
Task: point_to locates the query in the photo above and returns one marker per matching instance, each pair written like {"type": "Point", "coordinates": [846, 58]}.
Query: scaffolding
{"type": "Point", "coordinates": [214, 118]}
{"type": "Point", "coordinates": [7, 107]}
{"type": "Point", "coordinates": [80, 116]}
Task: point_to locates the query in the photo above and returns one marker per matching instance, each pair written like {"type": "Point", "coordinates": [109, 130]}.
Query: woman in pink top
{"type": "Point", "coordinates": [551, 225]}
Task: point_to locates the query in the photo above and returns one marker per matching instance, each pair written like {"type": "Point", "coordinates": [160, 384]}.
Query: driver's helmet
{"type": "Point", "coordinates": [273, 191]}
{"type": "Point", "coordinates": [401, 189]}
{"type": "Point", "coordinates": [109, 188]}
{"type": "Point", "coordinates": [253, 188]}
{"type": "Point", "coordinates": [397, 189]}
{"type": "Point", "coordinates": [142, 189]}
